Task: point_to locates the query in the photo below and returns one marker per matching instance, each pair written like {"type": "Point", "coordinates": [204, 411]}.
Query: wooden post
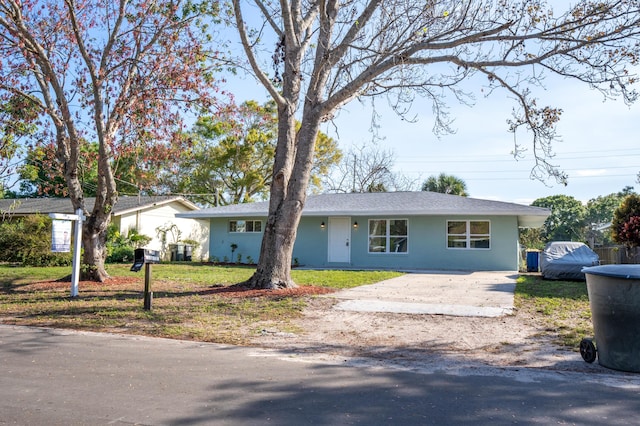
{"type": "Point", "coordinates": [148, 294]}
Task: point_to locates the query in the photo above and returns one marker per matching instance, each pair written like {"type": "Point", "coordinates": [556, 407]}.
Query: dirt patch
{"type": "Point", "coordinates": [509, 341]}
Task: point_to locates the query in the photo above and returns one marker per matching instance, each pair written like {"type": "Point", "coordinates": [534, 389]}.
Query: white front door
{"type": "Point", "coordinates": [339, 239]}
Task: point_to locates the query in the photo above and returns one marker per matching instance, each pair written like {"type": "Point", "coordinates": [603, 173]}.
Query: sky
{"type": "Point", "coordinates": [598, 147]}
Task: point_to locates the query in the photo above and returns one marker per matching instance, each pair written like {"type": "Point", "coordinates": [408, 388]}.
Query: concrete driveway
{"type": "Point", "coordinates": [482, 294]}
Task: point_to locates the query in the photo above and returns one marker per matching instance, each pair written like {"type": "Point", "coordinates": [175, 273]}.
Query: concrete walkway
{"type": "Point", "coordinates": [482, 294]}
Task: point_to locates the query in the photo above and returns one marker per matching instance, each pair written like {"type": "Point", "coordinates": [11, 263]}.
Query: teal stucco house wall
{"type": "Point", "coordinates": [389, 230]}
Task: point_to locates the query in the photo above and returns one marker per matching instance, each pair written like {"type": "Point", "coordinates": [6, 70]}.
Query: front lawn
{"type": "Point", "coordinates": [195, 301]}
{"type": "Point", "coordinates": [560, 307]}
{"type": "Point", "coordinates": [190, 300]}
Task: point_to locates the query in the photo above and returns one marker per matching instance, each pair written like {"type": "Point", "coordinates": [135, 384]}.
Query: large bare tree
{"type": "Point", "coordinates": [366, 168]}
{"type": "Point", "coordinates": [113, 72]}
{"type": "Point", "coordinates": [314, 56]}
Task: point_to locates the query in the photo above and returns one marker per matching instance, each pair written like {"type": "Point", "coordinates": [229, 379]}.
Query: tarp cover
{"type": "Point", "coordinates": [564, 260]}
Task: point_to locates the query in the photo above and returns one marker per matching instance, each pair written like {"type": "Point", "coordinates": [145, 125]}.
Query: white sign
{"type": "Point", "coordinates": [63, 216]}
{"type": "Point", "coordinates": [61, 236]}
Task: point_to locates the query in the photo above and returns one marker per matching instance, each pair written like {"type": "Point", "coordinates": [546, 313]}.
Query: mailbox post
{"type": "Point", "coordinates": [147, 258]}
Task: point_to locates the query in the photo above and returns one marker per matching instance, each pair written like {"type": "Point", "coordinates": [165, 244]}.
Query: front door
{"type": "Point", "coordinates": [339, 239]}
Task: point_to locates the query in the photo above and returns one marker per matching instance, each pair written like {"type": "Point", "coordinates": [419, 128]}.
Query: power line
{"type": "Point", "coordinates": [634, 168]}
{"type": "Point", "coordinates": [529, 178]}
{"type": "Point", "coordinates": [477, 158]}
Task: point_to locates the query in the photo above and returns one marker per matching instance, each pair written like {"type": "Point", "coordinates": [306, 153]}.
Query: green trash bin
{"type": "Point", "coordinates": [614, 298]}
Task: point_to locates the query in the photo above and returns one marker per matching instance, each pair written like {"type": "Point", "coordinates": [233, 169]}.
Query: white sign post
{"type": "Point", "coordinates": [77, 243]}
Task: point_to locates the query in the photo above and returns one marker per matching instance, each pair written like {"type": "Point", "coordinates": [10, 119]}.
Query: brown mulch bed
{"type": "Point", "coordinates": [242, 292]}
{"type": "Point", "coordinates": [234, 291]}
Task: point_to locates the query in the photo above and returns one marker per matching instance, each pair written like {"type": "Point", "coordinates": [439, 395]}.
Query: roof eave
{"type": "Point", "coordinates": [181, 200]}
{"type": "Point", "coordinates": [525, 220]}
{"type": "Point", "coordinates": [531, 221]}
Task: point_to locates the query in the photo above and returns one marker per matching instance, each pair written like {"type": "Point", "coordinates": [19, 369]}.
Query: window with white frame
{"type": "Point", "coordinates": [468, 234]}
{"type": "Point", "coordinates": [245, 226]}
{"type": "Point", "coordinates": [388, 236]}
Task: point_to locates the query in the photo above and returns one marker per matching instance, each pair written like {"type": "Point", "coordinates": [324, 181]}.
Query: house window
{"type": "Point", "coordinates": [388, 236]}
{"type": "Point", "coordinates": [245, 226]}
{"type": "Point", "coordinates": [469, 234]}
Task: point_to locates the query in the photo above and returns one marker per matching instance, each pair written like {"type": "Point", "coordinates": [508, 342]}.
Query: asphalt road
{"type": "Point", "coordinates": [56, 377]}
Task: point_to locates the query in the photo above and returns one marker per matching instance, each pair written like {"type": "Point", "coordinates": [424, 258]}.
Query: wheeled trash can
{"type": "Point", "coordinates": [614, 298]}
{"type": "Point", "coordinates": [533, 260]}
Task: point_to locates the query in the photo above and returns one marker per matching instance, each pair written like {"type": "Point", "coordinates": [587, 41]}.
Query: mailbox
{"type": "Point", "coordinates": [145, 257]}
{"type": "Point", "coordinates": [142, 256]}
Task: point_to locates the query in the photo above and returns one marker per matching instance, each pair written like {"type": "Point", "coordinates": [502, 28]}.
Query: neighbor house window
{"type": "Point", "coordinates": [245, 226]}
{"type": "Point", "coordinates": [469, 234]}
{"type": "Point", "coordinates": [388, 236]}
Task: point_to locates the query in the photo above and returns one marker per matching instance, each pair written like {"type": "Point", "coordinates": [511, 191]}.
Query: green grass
{"type": "Point", "coordinates": [341, 279]}
{"type": "Point", "coordinates": [17, 275]}
{"type": "Point", "coordinates": [202, 274]}
{"type": "Point", "coordinates": [188, 303]}
{"type": "Point", "coordinates": [195, 273]}
{"type": "Point", "coordinates": [561, 308]}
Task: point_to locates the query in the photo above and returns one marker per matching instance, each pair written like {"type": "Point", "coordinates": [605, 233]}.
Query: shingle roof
{"type": "Point", "coordinates": [389, 203]}
{"type": "Point", "coordinates": [125, 204]}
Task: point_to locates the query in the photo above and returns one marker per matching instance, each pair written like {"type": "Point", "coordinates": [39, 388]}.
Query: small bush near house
{"type": "Point", "coordinates": [120, 248]}
{"type": "Point", "coordinates": [27, 241]}
{"type": "Point", "coordinates": [120, 254]}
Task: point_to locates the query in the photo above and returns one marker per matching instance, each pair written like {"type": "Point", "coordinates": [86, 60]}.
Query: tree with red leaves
{"type": "Point", "coordinates": [625, 226]}
{"type": "Point", "coordinates": [121, 74]}
{"type": "Point", "coordinates": [630, 232]}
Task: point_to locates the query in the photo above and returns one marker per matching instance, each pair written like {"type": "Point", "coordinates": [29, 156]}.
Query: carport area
{"type": "Point", "coordinates": [457, 293]}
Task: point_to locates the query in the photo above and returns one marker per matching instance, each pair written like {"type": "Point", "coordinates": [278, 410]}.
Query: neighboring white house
{"type": "Point", "coordinates": [153, 216]}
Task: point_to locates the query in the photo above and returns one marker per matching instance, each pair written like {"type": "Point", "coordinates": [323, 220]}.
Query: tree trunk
{"type": "Point", "coordinates": [288, 196]}
{"type": "Point", "coordinates": [94, 229]}
{"type": "Point", "coordinates": [294, 150]}
{"type": "Point", "coordinates": [94, 238]}
{"type": "Point", "coordinates": [95, 251]}
{"type": "Point", "coordinates": [274, 265]}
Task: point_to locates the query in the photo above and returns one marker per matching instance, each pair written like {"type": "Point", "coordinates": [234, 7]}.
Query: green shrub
{"type": "Point", "coordinates": [120, 254]}
{"type": "Point", "coordinates": [120, 248]}
{"type": "Point", "coordinates": [27, 241]}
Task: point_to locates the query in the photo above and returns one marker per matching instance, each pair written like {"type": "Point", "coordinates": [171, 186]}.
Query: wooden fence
{"type": "Point", "coordinates": [618, 255]}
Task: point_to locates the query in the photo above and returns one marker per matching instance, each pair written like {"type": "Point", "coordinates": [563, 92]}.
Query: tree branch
{"type": "Point", "coordinates": [251, 57]}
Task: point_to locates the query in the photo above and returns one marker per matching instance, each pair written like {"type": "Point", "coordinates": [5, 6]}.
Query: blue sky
{"type": "Point", "coordinates": [598, 149]}
{"type": "Point", "coordinates": [598, 146]}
